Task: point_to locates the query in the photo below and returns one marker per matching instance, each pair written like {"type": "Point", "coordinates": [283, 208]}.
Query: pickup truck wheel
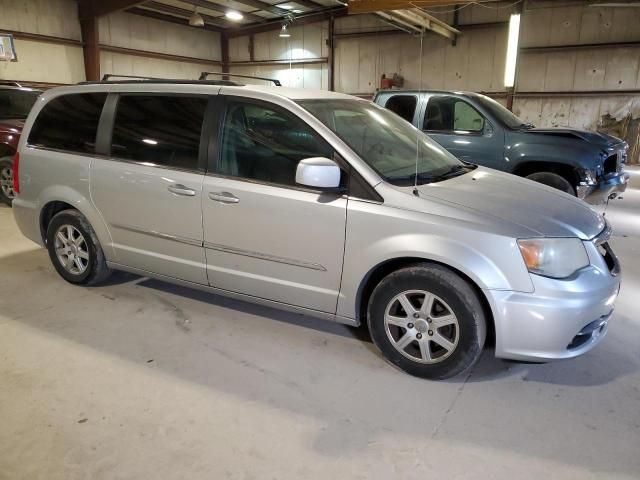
{"type": "Point", "coordinates": [428, 321]}
{"type": "Point", "coordinates": [6, 180]}
{"type": "Point", "coordinates": [75, 250]}
{"type": "Point", "coordinates": [553, 180]}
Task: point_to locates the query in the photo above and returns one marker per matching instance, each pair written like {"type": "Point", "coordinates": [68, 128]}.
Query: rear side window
{"type": "Point", "coordinates": [403, 105]}
{"type": "Point", "coordinates": [451, 114]}
{"type": "Point", "coordinates": [159, 130]}
{"type": "Point", "coordinates": [69, 123]}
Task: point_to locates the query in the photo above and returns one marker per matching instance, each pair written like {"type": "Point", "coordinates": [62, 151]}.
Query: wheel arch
{"type": "Point", "coordinates": [58, 198]}
{"type": "Point", "coordinates": [381, 270]}
{"type": "Point", "coordinates": [566, 171]}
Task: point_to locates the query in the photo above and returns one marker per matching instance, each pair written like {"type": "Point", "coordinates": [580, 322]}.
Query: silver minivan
{"type": "Point", "coordinates": [319, 203]}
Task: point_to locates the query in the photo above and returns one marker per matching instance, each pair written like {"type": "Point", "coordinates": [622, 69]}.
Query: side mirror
{"type": "Point", "coordinates": [318, 172]}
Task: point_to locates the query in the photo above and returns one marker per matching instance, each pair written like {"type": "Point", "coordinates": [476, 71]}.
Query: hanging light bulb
{"type": "Point", "coordinates": [196, 20]}
{"type": "Point", "coordinates": [284, 33]}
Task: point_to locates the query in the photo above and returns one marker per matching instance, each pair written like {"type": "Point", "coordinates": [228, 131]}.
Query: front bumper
{"type": "Point", "coordinates": [561, 318]}
{"type": "Point", "coordinates": [610, 184]}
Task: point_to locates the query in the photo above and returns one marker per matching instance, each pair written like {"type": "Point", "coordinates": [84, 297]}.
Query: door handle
{"type": "Point", "coordinates": [223, 197]}
{"type": "Point", "coordinates": [180, 189]}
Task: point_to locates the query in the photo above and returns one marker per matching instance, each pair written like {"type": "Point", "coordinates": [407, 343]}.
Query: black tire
{"type": "Point", "coordinates": [456, 294]}
{"type": "Point", "coordinates": [553, 180]}
{"type": "Point", "coordinates": [96, 269]}
{"type": "Point", "coordinates": [6, 174]}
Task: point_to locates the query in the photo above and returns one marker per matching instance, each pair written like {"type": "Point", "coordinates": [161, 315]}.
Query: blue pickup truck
{"type": "Point", "coordinates": [477, 129]}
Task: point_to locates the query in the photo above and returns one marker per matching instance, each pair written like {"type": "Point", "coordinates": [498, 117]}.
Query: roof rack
{"type": "Point", "coordinates": [129, 79]}
{"type": "Point", "coordinates": [204, 75]}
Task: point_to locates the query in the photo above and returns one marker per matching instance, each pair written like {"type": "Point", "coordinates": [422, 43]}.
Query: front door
{"type": "Point", "coordinates": [149, 189]}
{"type": "Point", "coordinates": [264, 235]}
{"type": "Point", "coordinates": [456, 125]}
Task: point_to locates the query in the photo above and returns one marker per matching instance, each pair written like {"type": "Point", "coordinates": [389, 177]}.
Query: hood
{"type": "Point", "coordinates": [600, 139]}
{"type": "Point", "coordinates": [542, 210]}
{"type": "Point", "coordinates": [12, 125]}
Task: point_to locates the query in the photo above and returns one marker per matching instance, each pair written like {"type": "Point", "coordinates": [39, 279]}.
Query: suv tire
{"type": "Point", "coordinates": [436, 340]}
{"type": "Point", "coordinates": [74, 249]}
{"type": "Point", "coordinates": [553, 180]}
{"type": "Point", "coordinates": [6, 180]}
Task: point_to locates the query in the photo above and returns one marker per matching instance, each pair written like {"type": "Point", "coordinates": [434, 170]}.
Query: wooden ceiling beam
{"type": "Point", "coordinates": [276, 24]}
{"type": "Point", "coordinates": [181, 12]}
{"type": "Point", "coordinates": [370, 6]}
{"type": "Point", "coordinates": [222, 9]}
{"type": "Point", "coordinates": [143, 12]}
{"type": "Point", "coordinates": [97, 8]}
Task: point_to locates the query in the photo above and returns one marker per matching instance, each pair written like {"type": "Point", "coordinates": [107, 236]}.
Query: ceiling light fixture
{"type": "Point", "coordinates": [234, 15]}
{"type": "Point", "coordinates": [286, 7]}
{"type": "Point", "coordinates": [196, 20]}
{"type": "Point", "coordinates": [512, 51]}
{"type": "Point", "coordinates": [284, 33]}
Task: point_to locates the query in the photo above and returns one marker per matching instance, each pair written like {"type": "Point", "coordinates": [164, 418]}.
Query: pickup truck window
{"type": "Point", "coordinates": [501, 113]}
{"type": "Point", "coordinates": [386, 142]}
{"type": "Point", "coordinates": [403, 105]}
{"type": "Point", "coordinates": [451, 114]}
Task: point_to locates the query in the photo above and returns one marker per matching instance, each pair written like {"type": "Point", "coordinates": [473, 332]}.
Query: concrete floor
{"type": "Point", "coordinates": [143, 380]}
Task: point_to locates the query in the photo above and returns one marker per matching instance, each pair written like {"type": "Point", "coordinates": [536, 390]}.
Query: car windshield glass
{"type": "Point", "coordinates": [504, 115]}
{"type": "Point", "coordinates": [385, 141]}
{"type": "Point", "coordinates": [16, 103]}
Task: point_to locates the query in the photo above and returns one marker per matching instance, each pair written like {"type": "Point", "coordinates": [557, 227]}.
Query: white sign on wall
{"type": "Point", "coordinates": [7, 48]}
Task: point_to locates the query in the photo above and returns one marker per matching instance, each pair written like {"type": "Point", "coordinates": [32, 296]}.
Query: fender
{"type": "Point", "coordinates": [485, 272]}
{"type": "Point", "coordinates": [62, 193]}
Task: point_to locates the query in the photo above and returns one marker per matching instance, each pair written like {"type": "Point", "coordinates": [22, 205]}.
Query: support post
{"type": "Point", "coordinates": [224, 54]}
{"type": "Point", "coordinates": [331, 56]}
{"type": "Point", "coordinates": [91, 47]}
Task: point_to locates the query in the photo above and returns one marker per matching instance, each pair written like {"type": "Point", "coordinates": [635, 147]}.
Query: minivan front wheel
{"type": "Point", "coordinates": [75, 250]}
{"type": "Point", "coordinates": [6, 180]}
{"type": "Point", "coordinates": [428, 321]}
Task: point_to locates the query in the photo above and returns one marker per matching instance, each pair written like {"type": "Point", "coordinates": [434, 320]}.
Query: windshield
{"type": "Point", "coordinates": [385, 141]}
{"type": "Point", "coordinates": [504, 115]}
{"type": "Point", "coordinates": [16, 103]}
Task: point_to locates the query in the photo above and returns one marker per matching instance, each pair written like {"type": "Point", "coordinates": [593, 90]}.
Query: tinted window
{"type": "Point", "coordinates": [16, 103]}
{"type": "Point", "coordinates": [448, 114]}
{"type": "Point", "coordinates": [159, 130]}
{"type": "Point", "coordinates": [265, 143]}
{"type": "Point", "coordinates": [69, 122]}
{"type": "Point", "coordinates": [403, 105]}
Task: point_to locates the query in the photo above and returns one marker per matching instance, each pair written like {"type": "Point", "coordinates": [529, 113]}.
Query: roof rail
{"type": "Point", "coordinates": [131, 79]}
{"type": "Point", "coordinates": [107, 76]}
{"type": "Point", "coordinates": [204, 75]}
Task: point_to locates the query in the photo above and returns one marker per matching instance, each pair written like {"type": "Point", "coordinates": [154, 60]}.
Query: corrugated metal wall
{"type": "Point", "coordinates": [38, 61]}
{"type": "Point", "coordinates": [50, 62]}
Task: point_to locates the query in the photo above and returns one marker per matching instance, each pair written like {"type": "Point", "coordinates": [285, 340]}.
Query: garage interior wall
{"type": "Point", "coordinates": [42, 60]}
{"type": "Point", "coordinates": [52, 51]}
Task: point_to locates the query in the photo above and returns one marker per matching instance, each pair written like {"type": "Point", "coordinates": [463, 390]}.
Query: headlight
{"type": "Point", "coordinates": [587, 177]}
{"type": "Point", "coordinates": [553, 257]}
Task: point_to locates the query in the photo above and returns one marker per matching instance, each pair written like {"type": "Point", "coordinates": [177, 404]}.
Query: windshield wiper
{"type": "Point", "coordinates": [427, 177]}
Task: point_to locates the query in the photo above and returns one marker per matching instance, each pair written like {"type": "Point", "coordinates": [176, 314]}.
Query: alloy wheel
{"type": "Point", "coordinates": [421, 326]}
{"type": "Point", "coordinates": [6, 182]}
{"type": "Point", "coordinates": [71, 249]}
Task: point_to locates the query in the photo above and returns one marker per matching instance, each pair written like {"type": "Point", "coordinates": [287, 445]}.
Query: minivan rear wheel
{"type": "Point", "coordinates": [6, 180]}
{"type": "Point", "coordinates": [428, 321]}
{"type": "Point", "coordinates": [74, 249]}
